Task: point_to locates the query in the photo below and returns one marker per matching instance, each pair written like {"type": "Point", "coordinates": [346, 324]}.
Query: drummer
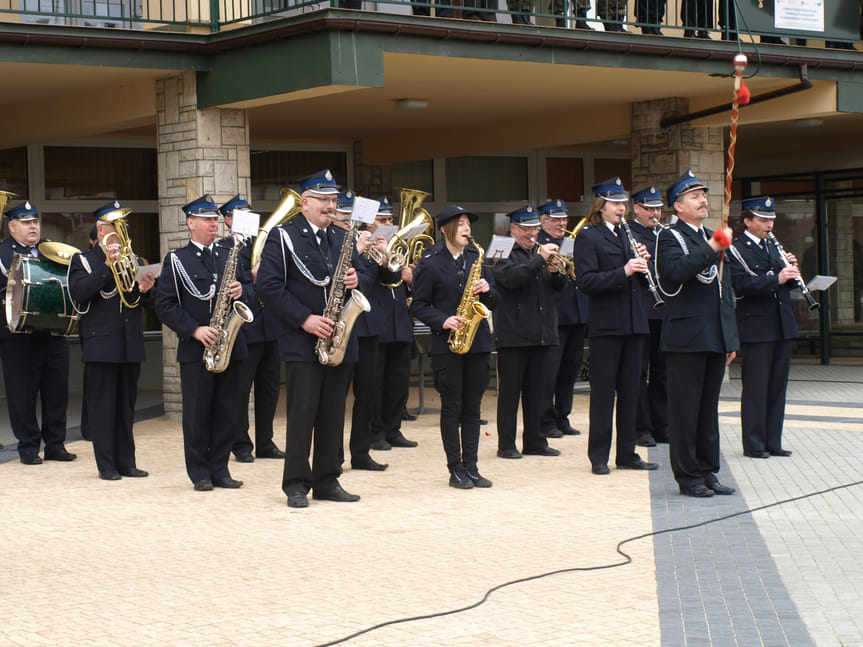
{"type": "Point", "coordinates": [35, 363]}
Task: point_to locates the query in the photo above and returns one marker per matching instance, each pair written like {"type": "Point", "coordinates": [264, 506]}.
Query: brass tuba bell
{"type": "Point", "coordinates": [289, 207]}
{"type": "Point", "coordinates": [125, 268]}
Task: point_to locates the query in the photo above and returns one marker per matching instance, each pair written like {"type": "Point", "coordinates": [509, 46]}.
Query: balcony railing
{"type": "Point", "coordinates": [663, 18]}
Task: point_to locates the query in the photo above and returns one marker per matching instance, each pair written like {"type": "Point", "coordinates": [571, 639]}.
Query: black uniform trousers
{"type": "Point", "coordinates": [615, 367]}
{"type": "Point", "coordinates": [394, 367]}
{"type": "Point", "coordinates": [461, 381]}
{"type": "Point", "coordinates": [567, 358]}
{"type": "Point", "coordinates": [263, 369]}
{"type": "Point", "coordinates": [36, 364]}
{"type": "Point", "coordinates": [211, 406]}
{"type": "Point", "coordinates": [762, 401]}
{"type": "Point", "coordinates": [652, 396]}
{"type": "Point", "coordinates": [694, 381]}
{"type": "Point", "coordinates": [111, 389]}
{"type": "Point", "coordinates": [367, 395]}
{"type": "Point", "coordinates": [522, 374]}
{"type": "Point", "coordinates": [316, 410]}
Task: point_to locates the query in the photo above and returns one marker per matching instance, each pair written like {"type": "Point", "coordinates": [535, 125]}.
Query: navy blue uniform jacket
{"type": "Point", "coordinates": [695, 319]}
{"type": "Point", "coordinates": [571, 302]}
{"type": "Point", "coordinates": [182, 311]}
{"type": "Point", "coordinates": [437, 294]}
{"type": "Point", "coordinates": [616, 300]}
{"type": "Point", "coordinates": [764, 310]}
{"type": "Point", "coordinates": [109, 331]}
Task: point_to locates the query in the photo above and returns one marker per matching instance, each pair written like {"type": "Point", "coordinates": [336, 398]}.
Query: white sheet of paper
{"type": "Point", "coordinates": [820, 282]}
{"type": "Point", "coordinates": [499, 247]}
{"type": "Point", "coordinates": [153, 268]}
{"type": "Point", "coordinates": [365, 210]}
{"type": "Point", "coordinates": [567, 246]}
{"type": "Point", "coordinates": [245, 223]}
{"type": "Point", "coordinates": [385, 231]}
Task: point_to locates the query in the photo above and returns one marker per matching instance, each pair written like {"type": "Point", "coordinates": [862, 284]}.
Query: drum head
{"type": "Point", "coordinates": [15, 291]}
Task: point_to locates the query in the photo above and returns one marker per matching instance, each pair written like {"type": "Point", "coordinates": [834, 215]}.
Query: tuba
{"type": "Point", "coordinates": [409, 252]}
{"type": "Point", "coordinates": [289, 207]}
{"type": "Point", "coordinates": [4, 198]}
{"type": "Point", "coordinates": [125, 268]}
{"type": "Point", "coordinates": [470, 309]}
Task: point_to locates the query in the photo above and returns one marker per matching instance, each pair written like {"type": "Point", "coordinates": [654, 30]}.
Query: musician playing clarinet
{"type": "Point", "coordinates": [765, 323]}
{"type": "Point", "coordinates": [612, 277]}
{"type": "Point", "coordinates": [461, 378]}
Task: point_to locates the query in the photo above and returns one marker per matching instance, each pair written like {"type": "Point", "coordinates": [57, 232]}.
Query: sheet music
{"type": "Point", "coordinates": [820, 282]}
{"type": "Point", "coordinates": [365, 210]}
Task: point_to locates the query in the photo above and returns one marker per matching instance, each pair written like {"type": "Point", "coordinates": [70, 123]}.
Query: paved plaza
{"type": "Point", "coordinates": [152, 562]}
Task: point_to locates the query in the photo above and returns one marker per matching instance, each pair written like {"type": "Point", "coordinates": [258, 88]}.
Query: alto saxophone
{"type": "Point", "coordinates": [227, 317]}
{"type": "Point", "coordinates": [470, 309]}
{"type": "Point", "coordinates": [331, 350]}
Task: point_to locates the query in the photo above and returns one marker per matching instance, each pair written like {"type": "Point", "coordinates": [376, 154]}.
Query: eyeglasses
{"type": "Point", "coordinates": [332, 199]}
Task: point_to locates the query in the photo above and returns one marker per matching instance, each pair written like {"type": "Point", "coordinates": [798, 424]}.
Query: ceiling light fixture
{"type": "Point", "coordinates": [812, 122]}
{"type": "Point", "coordinates": [411, 104]}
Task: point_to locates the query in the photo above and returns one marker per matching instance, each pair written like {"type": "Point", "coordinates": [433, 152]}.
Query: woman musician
{"type": "Point", "coordinates": [616, 323]}
{"type": "Point", "coordinates": [440, 280]}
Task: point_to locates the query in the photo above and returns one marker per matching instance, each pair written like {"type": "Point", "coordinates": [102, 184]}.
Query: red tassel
{"type": "Point", "coordinates": [743, 95]}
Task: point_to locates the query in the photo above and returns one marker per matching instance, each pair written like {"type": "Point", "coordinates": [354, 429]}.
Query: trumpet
{"type": "Point", "coordinates": [651, 284]}
{"type": "Point", "coordinates": [125, 268]}
{"type": "Point", "coordinates": [813, 304]}
{"type": "Point", "coordinates": [393, 261]}
{"type": "Point", "coordinates": [563, 264]}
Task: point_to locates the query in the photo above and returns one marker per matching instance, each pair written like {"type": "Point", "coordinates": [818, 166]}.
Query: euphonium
{"type": "Point", "coordinates": [289, 207]}
{"type": "Point", "coordinates": [470, 309]}
{"type": "Point", "coordinates": [227, 317]}
{"type": "Point", "coordinates": [125, 268]}
{"type": "Point", "coordinates": [331, 350]}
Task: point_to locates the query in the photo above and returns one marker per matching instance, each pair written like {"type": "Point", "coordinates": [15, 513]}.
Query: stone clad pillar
{"type": "Point", "coordinates": [660, 155]}
{"type": "Point", "coordinates": [199, 151]}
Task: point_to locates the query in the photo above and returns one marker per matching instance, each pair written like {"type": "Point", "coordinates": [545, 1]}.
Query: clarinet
{"type": "Point", "coordinates": [651, 284]}
{"type": "Point", "coordinates": [813, 304]}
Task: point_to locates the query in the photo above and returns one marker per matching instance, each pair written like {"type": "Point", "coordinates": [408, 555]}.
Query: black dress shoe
{"type": "Point", "coordinates": [134, 472]}
{"type": "Point", "coordinates": [273, 452]}
{"type": "Point", "coordinates": [651, 31]}
{"type": "Point", "coordinates": [381, 445]}
{"type": "Point", "coordinates": [368, 463]}
{"type": "Point", "coordinates": [298, 500]}
{"type": "Point", "coordinates": [702, 34]}
{"type": "Point", "coordinates": [645, 440]}
{"type": "Point", "coordinates": [508, 453]}
{"type": "Point", "coordinates": [228, 483]}
{"type": "Point", "coordinates": [398, 440]}
{"type": "Point", "coordinates": [640, 464]}
{"type": "Point", "coordinates": [698, 490]}
{"type": "Point", "coordinates": [459, 479]}
{"type": "Point", "coordinates": [408, 416]}
{"type": "Point", "coordinates": [542, 451]}
{"type": "Point", "coordinates": [110, 476]}
{"type": "Point", "coordinates": [476, 478]}
{"type": "Point", "coordinates": [31, 460]}
{"type": "Point", "coordinates": [567, 429]}
{"type": "Point", "coordinates": [757, 454]}
{"type": "Point", "coordinates": [718, 488]}
{"type": "Point", "coordinates": [204, 485]}
{"type": "Point", "coordinates": [334, 493]}
{"type": "Point", "coordinates": [245, 458]}
{"type": "Point", "coordinates": [773, 40]}
{"type": "Point", "coordinates": [600, 469]}
{"type": "Point", "coordinates": [60, 455]}
{"type": "Point", "coordinates": [689, 33]}
{"type": "Point", "coordinates": [552, 432]}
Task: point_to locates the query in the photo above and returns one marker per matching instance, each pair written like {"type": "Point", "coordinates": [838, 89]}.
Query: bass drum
{"type": "Point", "coordinates": [37, 297]}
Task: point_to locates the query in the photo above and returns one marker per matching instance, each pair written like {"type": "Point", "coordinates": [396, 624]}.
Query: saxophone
{"type": "Point", "coordinates": [227, 317]}
{"type": "Point", "coordinates": [470, 309]}
{"type": "Point", "coordinates": [331, 350]}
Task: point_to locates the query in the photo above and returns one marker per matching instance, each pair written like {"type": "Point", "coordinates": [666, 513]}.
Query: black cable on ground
{"type": "Point", "coordinates": [627, 559]}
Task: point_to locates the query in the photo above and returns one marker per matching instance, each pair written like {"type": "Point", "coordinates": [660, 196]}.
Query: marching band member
{"type": "Point", "coordinates": [699, 336]}
{"type": "Point", "coordinates": [568, 355]}
{"type": "Point", "coordinates": [186, 295]}
{"type": "Point", "coordinates": [525, 330]}
{"type": "Point", "coordinates": [617, 326]}
{"type": "Point", "coordinates": [35, 363]}
{"type": "Point", "coordinates": [461, 379]}
{"type": "Point", "coordinates": [112, 349]}
{"type": "Point", "coordinates": [295, 279]}
{"type": "Point", "coordinates": [262, 365]}
{"type": "Point", "coordinates": [651, 425]}
{"type": "Point", "coordinates": [765, 323]}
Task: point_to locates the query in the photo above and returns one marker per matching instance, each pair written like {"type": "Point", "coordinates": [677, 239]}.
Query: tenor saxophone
{"type": "Point", "coordinates": [227, 317]}
{"type": "Point", "coordinates": [470, 309]}
{"type": "Point", "coordinates": [331, 350]}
